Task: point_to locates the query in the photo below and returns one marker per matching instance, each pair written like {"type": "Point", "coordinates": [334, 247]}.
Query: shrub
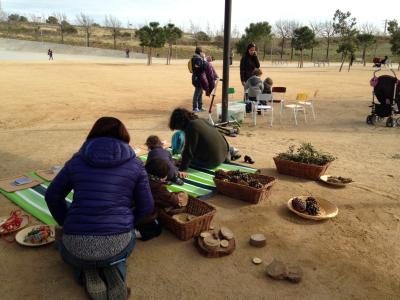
{"type": "Point", "coordinates": [306, 154]}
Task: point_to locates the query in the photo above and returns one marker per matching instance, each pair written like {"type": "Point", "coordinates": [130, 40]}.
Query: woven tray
{"type": "Point", "coordinates": [297, 169]}
{"type": "Point", "coordinates": [192, 228]}
{"type": "Point", "coordinates": [247, 193]}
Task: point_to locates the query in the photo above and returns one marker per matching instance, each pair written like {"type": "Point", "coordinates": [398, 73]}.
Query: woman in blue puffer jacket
{"type": "Point", "coordinates": [111, 191]}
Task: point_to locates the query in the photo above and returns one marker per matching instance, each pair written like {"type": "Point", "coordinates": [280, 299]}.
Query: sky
{"type": "Point", "coordinates": [207, 14]}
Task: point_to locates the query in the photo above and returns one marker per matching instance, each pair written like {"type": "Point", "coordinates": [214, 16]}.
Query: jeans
{"type": "Point", "coordinates": [198, 98]}
{"type": "Point", "coordinates": [79, 265]}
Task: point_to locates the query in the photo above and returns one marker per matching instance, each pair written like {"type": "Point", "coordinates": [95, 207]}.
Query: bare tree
{"type": "Point", "coordinates": [328, 32]}
{"type": "Point", "coordinates": [368, 28]}
{"type": "Point", "coordinates": [281, 28]}
{"type": "Point", "coordinates": [35, 21]}
{"type": "Point", "coordinates": [292, 26]}
{"type": "Point", "coordinates": [194, 29]}
{"type": "Point", "coordinates": [235, 32]}
{"type": "Point", "coordinates": [114, 24]}
{"type": "Point", "coordinates": [3, 15]}
{"type": "Point", "coordinates": [86, 22]}
{"type": "Point", "coordinates": [316, 28]}
{"type": "Point", "coordinates": [209, 31]}
{"type": "Point", "coordinates": [62, 21]}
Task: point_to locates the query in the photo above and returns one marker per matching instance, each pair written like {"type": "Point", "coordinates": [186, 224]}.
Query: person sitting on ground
{"type": "Point", "coordinates": [111, 191]}
{"type": "Point", "coordinates": [156, 151]}
{"type": "Point", "coordinates": [204, 146]}
{"type": "Point", "coordinates": [158, 170]}
{"type": "Point", "coordinates": [255, 86]}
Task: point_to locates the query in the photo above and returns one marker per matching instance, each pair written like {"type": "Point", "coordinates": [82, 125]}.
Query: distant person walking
{"type": "Point", "coordinates": [50, 54]}
{"type": "Point", "coordinates": [127, 52]}
{"type": "Point", "coordinates": [248, 63]}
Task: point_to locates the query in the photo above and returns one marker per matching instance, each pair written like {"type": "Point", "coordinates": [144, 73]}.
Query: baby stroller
{"type": "Point", "coordinates": [386, 89]}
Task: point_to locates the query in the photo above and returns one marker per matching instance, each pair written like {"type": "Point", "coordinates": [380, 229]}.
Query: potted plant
{"type": "Point", "coordinates": [305, 161]}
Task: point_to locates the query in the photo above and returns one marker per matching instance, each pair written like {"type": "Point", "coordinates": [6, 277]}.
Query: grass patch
{"type": "Point", "coordinates": [396, 156]}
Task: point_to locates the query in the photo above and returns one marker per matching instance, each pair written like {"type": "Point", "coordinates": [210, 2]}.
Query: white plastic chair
{"type": "Point", "coordinates": [309, 102]}
{"type": "Point", "coordinates": [296, 107]}
{"type": "Point", "coordinates": [264, 108]}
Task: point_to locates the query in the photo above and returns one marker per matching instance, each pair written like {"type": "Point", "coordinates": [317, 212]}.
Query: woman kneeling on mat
{"type": "Point", "coordinates": [204, 146]}
{"type": "Point", "coordinates": [111, 192]}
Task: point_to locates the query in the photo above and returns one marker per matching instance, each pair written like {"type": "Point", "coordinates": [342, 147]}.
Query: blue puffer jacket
{"type": "Point", "coordinates": [110, 186]}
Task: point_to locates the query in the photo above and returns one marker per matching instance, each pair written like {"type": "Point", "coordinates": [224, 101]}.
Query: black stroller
{"type": "Point", "coordinates": [386, 89]}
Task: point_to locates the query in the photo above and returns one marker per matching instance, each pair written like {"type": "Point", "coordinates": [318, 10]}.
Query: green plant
{"type": "Point", "coordinates": [306, 154]}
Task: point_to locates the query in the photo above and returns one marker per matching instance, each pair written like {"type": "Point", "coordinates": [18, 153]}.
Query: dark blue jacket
{"type": "Point", "coordinates": [161, 153]}
{"type": "Point", "coordinates": [111, 189]}
{"type": "Point", "coordinates": [198, 67]}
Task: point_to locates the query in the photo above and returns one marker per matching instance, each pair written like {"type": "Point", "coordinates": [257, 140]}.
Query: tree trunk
{"type": "Point", "coordinates": [62, 34]}
{"type": "Point", "coordinates": [115, 39]}
{"type": "Point", "coordinates": [87, 36]}
{"type": "Point", "coordinates": [344, 54]}
{"type": "Point", "coordinates": [264, 46]}
{"type": "Point", "coordinates": [327, 49]}
{"type": "Point", "coordinates": [149, 56]}
{"type": "Point", "coordinates": [363, 56]}
{"type": "Point", "coordinates": [291, 52]}
{"type": "Point", "coordinates": [312, 53]}
{"type": "Point", "coordinates": [301, 58]}
{"type": "Point", "coordinates": [283, 45]}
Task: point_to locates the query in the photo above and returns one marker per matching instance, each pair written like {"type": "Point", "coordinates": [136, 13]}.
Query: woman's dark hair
{"type": "Point", "coordinates": [157, 167]}
{"type": "Point", "coordinates": [109, 127]}
{"type": "Point", "coordinates": [153, 141]}
{"type": "Point", "coordinates": [198, 50]}
{"type": "Point", "coordinates": [180, 118]}
{"type": "Point", "coordinates": [251, 45]}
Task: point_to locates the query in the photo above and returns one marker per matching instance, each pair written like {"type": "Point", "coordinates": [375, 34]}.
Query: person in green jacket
{"type": "Point", "coordinates": [205, 146]}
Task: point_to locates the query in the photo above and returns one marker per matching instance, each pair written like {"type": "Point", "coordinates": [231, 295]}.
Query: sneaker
{"type": "Point", "coordinates": [196, 110]}
{"type": "Point", "coordinates": [235, 157]}
{"type": "Point", "coordinates": [202, 109]}
{"type": "Point", "coordinates": [116, 287]}
{"type": "Point", "coordinates": [138, 235]}
{"type": "Point", "coordinates": [95, 286]}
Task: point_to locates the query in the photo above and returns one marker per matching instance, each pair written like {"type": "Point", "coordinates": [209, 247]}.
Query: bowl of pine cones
{"type": "Point", "coordinates": [312, 208]}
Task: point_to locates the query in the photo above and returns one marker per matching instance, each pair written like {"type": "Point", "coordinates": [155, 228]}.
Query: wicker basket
{"type": "Point", "coordinates": [297, 169]}
{"type": "Point", "coordinates": [192, 228]}
{"type": "Point", "coordinates": [247, 193]}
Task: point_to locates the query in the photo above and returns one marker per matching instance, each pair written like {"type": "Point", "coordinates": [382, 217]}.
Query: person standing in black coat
{"type": "Point", "coordinates": [248, 63]}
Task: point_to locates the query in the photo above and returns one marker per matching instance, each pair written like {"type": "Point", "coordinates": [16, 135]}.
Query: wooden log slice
{"type": "Point", "coordinates": [205, 234]}
{"type": "Point", "coordinates": [294, 274]}
{"type": "Point", "coordinates": [226, 233]}
{"type": "Point", "coordinates": [277, 270]}
{"type": "Point", "coordinates": [224, 243]}
{"type": "Point", "coordinates": [257, 260]}
{"type": "Point", "coordinates": [219, 252]}
{"type": "Point", "coordinates": [258, 240]}
{"type": "Point", "coordinates": [211, 243]}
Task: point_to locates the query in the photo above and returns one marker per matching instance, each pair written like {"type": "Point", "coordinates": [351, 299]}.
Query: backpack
{"type": "Point", "coordinates": [178, 142]}
{"type": "Point", "coordinates": [190, 66]}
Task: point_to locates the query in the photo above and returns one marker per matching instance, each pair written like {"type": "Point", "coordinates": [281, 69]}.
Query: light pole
{"type": "Point", "coordinates": [225, 69]}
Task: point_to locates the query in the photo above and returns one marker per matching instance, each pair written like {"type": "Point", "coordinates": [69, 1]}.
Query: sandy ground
{"type": "Point", "coordinates": [47, 109]}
